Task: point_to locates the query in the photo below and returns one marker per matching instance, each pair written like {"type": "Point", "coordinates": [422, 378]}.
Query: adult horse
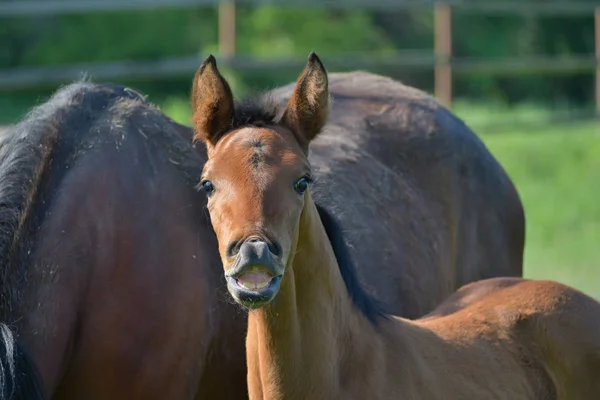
{"type": "Point", "coordinates": [445, 211]}
{"type": "Point", "coordinates": [313, 333]}
{"type": "Point", "coordinates": [111, 276]}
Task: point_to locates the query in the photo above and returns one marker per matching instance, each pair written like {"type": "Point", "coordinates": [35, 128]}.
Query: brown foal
{"type": "Point", "coordinates": [312, 331]}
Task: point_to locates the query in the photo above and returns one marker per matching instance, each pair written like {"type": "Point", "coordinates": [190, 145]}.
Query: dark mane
{"type": "Point", "coordinates": [361, 299]}
{"type": "Point", "coordinates": [260, 109]}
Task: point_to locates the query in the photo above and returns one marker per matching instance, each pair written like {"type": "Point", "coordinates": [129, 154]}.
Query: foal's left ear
{"type": "Point", "coordinates": [212, 103]}
{"type": "Point", "coordinates": [306, 111]}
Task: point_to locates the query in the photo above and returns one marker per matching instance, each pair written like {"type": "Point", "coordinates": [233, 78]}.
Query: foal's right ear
{"type": "Point", "coordinates": [212, 103]}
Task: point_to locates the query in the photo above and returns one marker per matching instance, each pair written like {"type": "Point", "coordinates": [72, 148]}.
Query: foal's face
{"type": "Point", "coordinates": [256, 179]}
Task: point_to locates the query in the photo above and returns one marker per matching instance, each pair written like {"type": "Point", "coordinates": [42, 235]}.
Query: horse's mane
{"type": "Point", "coordinates": [258, 108]}
{"type": "Point", "coordinates": [361, 299]}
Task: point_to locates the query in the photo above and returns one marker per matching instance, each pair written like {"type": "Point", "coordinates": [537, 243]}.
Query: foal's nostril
{"type": "Point", "coordinates": [274, 248]}
{"type": "Point", "coordinates": [234, 248]}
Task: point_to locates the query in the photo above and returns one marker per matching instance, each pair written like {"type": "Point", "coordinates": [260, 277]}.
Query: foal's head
{"type": "Point", "coordinates": [257, 175]}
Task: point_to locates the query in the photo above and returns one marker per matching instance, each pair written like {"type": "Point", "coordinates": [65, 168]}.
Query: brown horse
{"type": "Point", "coordinates": [111, 275]}
{"type": "Point", "coordinates": [390, 153]}
{"type": "Point", "coordinates": [312, 332]}
{"type": "Point", "coordinates": [110, 270]}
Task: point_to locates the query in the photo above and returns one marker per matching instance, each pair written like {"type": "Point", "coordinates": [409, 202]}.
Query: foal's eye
{"type": "Point", "coordinates": [207, 186]}
{"type": "Point", "coordinates": [302, 184]}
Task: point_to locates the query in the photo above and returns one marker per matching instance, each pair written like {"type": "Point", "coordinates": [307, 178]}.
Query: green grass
{"type": "Point", "coordinates": [556, 169]}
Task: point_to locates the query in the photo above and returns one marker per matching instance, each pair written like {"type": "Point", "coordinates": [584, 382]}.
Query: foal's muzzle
{"type": "Point", "coordinates": [255, 277]}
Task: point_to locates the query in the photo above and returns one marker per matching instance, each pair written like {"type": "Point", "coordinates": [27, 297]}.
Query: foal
{"type": "Point", "coordinates": [312, 332]}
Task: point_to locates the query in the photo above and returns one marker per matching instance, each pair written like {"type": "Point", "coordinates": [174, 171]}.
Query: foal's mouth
{"type": "Point", "coordinates": [253, 286]}
{"type": "Point", "coordinates": [254, 279]}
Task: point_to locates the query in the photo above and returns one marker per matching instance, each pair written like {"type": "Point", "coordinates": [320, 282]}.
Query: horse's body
{"type": "Point", "coordinates": [111, 264]}
{"type": "Point", "coordinates": [445, 212]}
{"type": "Point", "coordinates": [314, 334]}
{"type": "Point", "coordinates": [512, 340]}
{"type": "Point", "coordinates": [111, 275]}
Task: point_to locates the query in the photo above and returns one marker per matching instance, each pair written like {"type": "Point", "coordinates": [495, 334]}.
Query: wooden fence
{"type": "Point", "coordinates": [440, 58]}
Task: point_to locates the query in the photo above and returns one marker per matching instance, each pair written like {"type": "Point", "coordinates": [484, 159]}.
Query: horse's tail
{"type": "Point", "coordinates": [19, 377]}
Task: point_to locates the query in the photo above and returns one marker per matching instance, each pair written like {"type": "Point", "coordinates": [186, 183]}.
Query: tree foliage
{"type": "Point", "coordinates": [269, 32]}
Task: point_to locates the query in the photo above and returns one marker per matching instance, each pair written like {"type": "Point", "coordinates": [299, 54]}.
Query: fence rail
{"type": "Point", "coordinates": [20, 78]}
{"type": "Point", "coordinates": [440, 58]}
{"type": "Point", "coordinates": [45, 7]}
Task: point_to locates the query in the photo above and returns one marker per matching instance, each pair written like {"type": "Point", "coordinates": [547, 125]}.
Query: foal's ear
{"type": "Point", "coordinates": [212, 103]}
{"type": "Point", "coordinates": [306, 111]}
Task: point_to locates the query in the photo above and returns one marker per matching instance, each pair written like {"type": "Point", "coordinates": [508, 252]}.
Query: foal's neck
{"type": "Point", "coordinates": [298, 346]}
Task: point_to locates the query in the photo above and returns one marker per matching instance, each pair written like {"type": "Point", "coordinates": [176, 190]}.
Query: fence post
{"type": "Point", "coordinates": [443, 53]}
{"type": "Point", "coordinates": [227, 34]}
{"type": "Point", "coordinates": [597, 40]}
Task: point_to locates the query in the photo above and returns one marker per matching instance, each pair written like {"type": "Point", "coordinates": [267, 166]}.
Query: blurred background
{"type": "Point", "coordinates": [523, 74]}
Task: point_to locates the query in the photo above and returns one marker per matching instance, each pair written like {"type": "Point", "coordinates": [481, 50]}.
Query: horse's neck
{"type": "Point", "coordinates": [296, 346]}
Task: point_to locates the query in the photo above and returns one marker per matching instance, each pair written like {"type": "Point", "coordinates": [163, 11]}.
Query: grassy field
{"type": "Point", "coordinates": [556, 169]}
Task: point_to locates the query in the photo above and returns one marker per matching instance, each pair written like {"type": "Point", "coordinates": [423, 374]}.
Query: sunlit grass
{"type": "Point", "coordinates": [556, 169]}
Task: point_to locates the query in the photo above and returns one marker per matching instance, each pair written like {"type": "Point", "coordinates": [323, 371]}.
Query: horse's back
{"type": "Point", "coordinates": [565, 325]}
{"type": "Point", "coordinates": [124, 299]}
{"type": "Point", "coordinates": [471, 293]}
{"type": "Point", "coordinates": [446, 211]}
{"type": "Point", "coordinates": [449, 167]}
{"type": "Point", "coordinates": [552, 328]}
